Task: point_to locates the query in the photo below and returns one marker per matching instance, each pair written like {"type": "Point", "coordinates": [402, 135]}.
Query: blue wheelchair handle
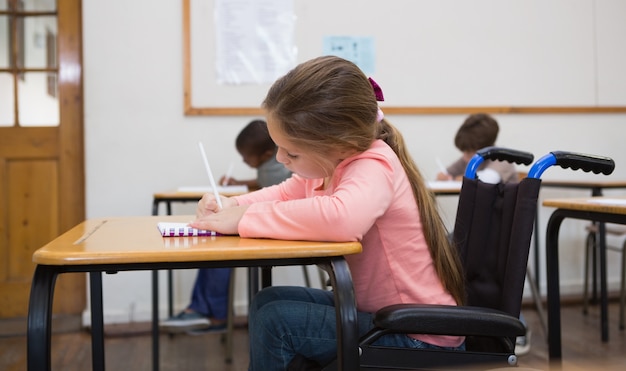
{"type": "Point", "coordinates": [573, 160]}
{"type": "Point", "coordinates": [496, 153]}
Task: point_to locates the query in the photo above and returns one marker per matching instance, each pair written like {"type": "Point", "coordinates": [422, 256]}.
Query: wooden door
{"type": "Point", "coordinates": [41, 145]}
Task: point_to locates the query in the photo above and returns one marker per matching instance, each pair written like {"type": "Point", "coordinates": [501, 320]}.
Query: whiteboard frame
{"type": "Point", "coordinates": [191, 110]}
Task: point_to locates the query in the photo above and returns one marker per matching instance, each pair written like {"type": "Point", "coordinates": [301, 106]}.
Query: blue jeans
{"type": "Point", "coordinates": [210, 293]}
{"type": "Point", "coordinates": [285, 321]}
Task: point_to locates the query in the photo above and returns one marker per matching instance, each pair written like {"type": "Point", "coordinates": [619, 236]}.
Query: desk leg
{"type": "Point", "coordinates": [604, 305]}
{"type": "Point", "coordinates": [345, 304]}
{"type": "Point", "coordinates": [170, 293]}
{"type": "Point", "coordinates": [155, 319]}
{"type": "Point", "coordinates": [38, 336]}
{"type": "Point", "coordinates": [253, 283]}
{"type": "Point", "coordinates": [554, 295]}
{"type": "Point", "coordinates": [595, 192]}
{"type": "Point", "coordinates": [97, 321]}
{"type": "Point", "coordinates": [266, 277]}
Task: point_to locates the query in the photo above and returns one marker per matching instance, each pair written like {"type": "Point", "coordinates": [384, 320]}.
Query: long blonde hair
{"type": "Point", "coordinates": [327, 103]}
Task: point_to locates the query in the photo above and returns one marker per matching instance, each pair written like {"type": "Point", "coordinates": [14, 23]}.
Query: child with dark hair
{"type": "Point", "coordinates": [258, 151]}
{"type": "Point", "coordinates": [479, 131]}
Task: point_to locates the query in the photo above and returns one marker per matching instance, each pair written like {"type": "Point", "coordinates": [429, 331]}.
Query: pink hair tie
{"type": "Point", "coordinates": [380, 115]}
{"type": "Point", "coordinates": [378, 92]}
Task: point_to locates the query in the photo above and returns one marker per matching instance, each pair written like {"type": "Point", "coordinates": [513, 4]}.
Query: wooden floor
{"type": "Point", "coordinates": [582, 348]}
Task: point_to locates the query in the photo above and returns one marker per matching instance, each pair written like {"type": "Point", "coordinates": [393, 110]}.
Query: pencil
{"type": "Point", "coordinates": [211, 179]}
{"type": "Point", "coordinates": [229, 173]}
{"type": "Point", "coordinates": [441, 167]}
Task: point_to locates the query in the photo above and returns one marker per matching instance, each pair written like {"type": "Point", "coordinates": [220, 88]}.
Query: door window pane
{"type": "Point", "coordinates": [35, 31]}
{"type": "Point", "coordinates": [7, 100]}
{"type": "Point", "coordinates": [39, 5]}
{"type": "Point", "coordinates": [4, 41]}
{"type": "Point", "coordinates": [36, 106]}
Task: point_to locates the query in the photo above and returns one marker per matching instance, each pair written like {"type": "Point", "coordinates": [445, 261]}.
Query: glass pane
{"type": "Point", "coordinates": [35, 31]}
{"type": "Point", "coordinates": [38, 103]}
{"type": "Point", "coordinates": [39, 5]}
{"type": "Point", "coordinates": [7, 100]}
{"type": "Point", "coordinates": [4, 41]}
{"type": "Point", "coordinates": [4, 5]}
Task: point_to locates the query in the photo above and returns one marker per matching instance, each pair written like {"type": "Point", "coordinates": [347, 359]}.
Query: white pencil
{"type": "Point", "coordinates": [229, 173]}
{"type": "Point", "coordinates": [211, 179]}
{"type": "Point", "coordinates": [441, 167]}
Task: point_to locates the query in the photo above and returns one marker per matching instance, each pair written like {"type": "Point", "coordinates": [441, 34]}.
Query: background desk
{"type": "Point", "coordinates": [613, 210]}
{"type": "Point", "coordinates": [134, 243]}
{"type": "Point", "coordinates": [596, 188]}
{"type": "Point", "coordinates": [445, 187]}
{"type": "Point", "coordinates": [176, 196]}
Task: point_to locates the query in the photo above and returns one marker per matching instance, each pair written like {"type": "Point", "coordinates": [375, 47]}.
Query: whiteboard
{"type": "Point", "coordinates": [450, 53]}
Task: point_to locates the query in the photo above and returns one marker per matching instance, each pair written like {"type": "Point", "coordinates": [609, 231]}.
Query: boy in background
{"type": "Point", "coordinates": [478, 131]}
{"type": "Point", "coordinates": [258, 151]}
{"type": "Point", "coordinates": [208, 309]}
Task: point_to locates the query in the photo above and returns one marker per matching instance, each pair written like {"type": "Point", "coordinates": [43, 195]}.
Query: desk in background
{"type": "Point", "coordinates": [134, 243]}
{"type": "Point", "coordinates": [445, 187]}
{"type": "Point", "coordinates": [599, 209]}
{"type": "Point", "coordinates": [596, 188]}
{"type": "Point", "coordinates": [190, 194]}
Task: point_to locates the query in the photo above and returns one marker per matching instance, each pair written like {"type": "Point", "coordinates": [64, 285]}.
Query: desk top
{"type": "Point", "coordinates": [445, 187]}
{"type": "Point", "coordinates": [611, 205]}
{"type": "Point", "coordinates": [137, 240]}
{"type": "Point", "coordinates": [586, 184]}
{"type": "Point", "coordinates": [188, 195]}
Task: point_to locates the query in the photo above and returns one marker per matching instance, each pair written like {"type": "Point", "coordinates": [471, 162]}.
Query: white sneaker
{"type": "Point", "coordinates": [522, 344]}
{"type": "Point", "coordinates": [184, 321]}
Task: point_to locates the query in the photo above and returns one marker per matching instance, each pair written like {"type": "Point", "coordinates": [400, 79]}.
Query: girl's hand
{"type": "Point", "coordinates": [225, 221]}
{"type": "Point", "coordinates": [208, 205]}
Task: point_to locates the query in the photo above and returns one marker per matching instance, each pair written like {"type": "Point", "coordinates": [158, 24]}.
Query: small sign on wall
{"type": "Point", "coordinates": [357, 49]}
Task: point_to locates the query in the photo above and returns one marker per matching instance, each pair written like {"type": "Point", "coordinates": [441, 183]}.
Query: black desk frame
{"type": "Point", "coordinates": [596, 191]}
{"type": "Point", "coordinates": [552, 267]}
{"type": "Point", "coordinates": [42, 292]}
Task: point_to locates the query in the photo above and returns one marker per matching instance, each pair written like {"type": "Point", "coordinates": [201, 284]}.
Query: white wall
{"type": "Point", "coordinates": [139, 142]}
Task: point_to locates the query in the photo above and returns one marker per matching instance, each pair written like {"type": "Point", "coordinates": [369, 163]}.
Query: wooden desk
{"type": "Point", "coordinates": [596, 187]}
{"type": "Point", "coordinates": [445, 187]}
{"type": "Point", "coordinates": [599, 209]}
{"type": "Point", "coordinates": [177, 196]}
{"type": "Point", "coordinates": [134, 243]}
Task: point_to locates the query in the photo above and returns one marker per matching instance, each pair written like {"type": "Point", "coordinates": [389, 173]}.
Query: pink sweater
{"type": "Point", "coordinates": [370, 200]}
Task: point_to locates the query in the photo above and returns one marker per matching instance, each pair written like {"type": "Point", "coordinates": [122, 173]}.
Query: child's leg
{"type": "Point", "coordinates": [285, 321]}
{"type": "Point", "coordinates": [210, 293]}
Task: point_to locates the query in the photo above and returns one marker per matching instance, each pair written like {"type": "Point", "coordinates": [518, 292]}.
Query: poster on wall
{"type": "Point", "coordinates": [357, 49]}
{"type": "Point", "coordinates": [255, 40]}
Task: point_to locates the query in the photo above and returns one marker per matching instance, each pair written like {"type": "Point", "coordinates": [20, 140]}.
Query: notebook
{"type": "Point", "coordinates": [169, 229]}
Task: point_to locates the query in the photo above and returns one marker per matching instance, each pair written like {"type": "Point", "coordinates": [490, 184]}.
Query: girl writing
{"type": "Point", "coordinates": [354, 180]}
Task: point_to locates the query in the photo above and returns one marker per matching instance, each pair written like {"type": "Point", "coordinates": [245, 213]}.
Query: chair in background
{"type": "Point", "coordinates": [615, 241]}
{"type": "Point", "coordinates": [493, 231]}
